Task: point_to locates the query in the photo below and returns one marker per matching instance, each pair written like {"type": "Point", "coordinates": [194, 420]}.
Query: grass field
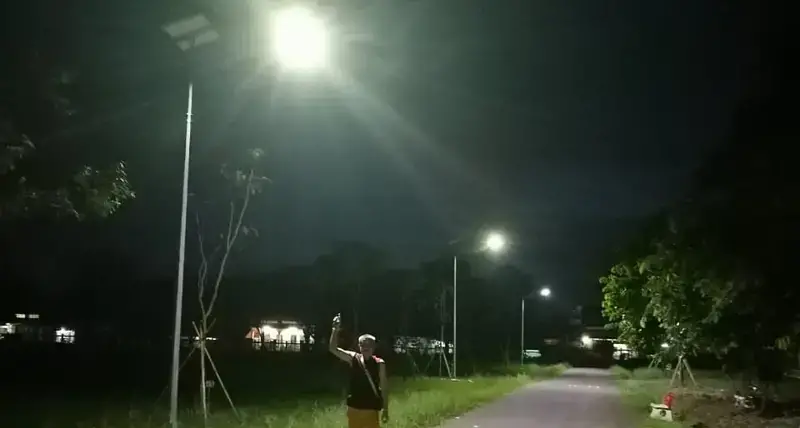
{"type": "Point", "coordinates": [418, 403]}
{"type": "Point", "coordinates": [709, 404]}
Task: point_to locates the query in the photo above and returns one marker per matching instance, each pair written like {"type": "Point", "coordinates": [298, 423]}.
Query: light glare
{"type": "Point", "coordinates": [495, 242]}
{"type": "Point", "coordinates": [300, 39]}
{"type": "Point", "coordinates": [545, 292]}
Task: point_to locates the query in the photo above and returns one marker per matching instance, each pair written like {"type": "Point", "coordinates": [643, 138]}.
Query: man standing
{"type": "Point", "coordinates": [367, 394]}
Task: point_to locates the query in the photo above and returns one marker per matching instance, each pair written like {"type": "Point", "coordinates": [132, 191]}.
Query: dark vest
{"type": "Point", "coordinates": [359, 393]}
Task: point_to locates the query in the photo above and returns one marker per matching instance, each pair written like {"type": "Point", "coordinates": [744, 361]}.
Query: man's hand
{"type": "Point", "coordinates": [385, 416]}
{"type": "Point", "coordinates": [333, 346]}
{"type": "Point", "coordinates": [337, 321]}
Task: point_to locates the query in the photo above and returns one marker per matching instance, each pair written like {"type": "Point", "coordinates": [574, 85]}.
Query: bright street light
{"type": "Point", "coordinates": [495, 242]}
{"type": "Point", "coordinates": [545, 292]}
{"type": "Point", "coordinates": [299, 39]}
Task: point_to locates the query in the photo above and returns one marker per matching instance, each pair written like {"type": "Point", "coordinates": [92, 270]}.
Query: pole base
{"type": "Point", "coordinates": [660, 412]}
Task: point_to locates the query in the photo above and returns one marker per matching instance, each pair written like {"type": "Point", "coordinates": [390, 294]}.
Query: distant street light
{"type": "Point", "coordinates": [494, 242]}
{"type": "Point", "coordinates": [300, 42]}
{"type": "Point", "coordinates": [543, 292]}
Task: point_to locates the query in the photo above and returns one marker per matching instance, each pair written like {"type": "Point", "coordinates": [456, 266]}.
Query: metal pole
{"type": "Point", "coordinates": [176, 335]}
{"type": "Point", "coordinates": [522, 336]}
{"type": "Point", "coordinates": [442, 350]}
{"type": "Point", "coordinates": [442, 312]}
{"type": "Point", "coordinates": [455, 310]}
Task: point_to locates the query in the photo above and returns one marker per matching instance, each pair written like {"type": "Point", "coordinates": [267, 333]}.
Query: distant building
{"type": "Point", "coordinates": [29, 327]}
{"type": "Point", "coordinates": [595, 334]}
{"type": "Point", "coordinates": [421, 345]}
{"type": "Point", "coordinates": [280, 336]}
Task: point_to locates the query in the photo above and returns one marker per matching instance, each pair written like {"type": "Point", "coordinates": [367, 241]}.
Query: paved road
{"type": "Point", "coordinates": [580, 398]}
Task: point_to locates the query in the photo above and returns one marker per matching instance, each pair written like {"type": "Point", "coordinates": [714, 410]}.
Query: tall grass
{"type": "Point", "coordinates": [639, 388]}
{"type": "Point", "coordinates": [649, 373]}
{"type": "Point", "coordinates": [414, 403]}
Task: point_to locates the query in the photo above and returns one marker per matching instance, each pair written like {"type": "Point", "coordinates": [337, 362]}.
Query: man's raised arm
{"type": "Point", "coordinates": [333, 344]}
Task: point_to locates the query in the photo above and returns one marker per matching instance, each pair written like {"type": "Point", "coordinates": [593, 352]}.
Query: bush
{"type": "Point", "coordinates": [640, 374]}
{"type": "Point", "coordinates": [536, 371]}
{"type": "Point", "coordinates": [533, 371]}
{"type": "Point", "coordinates": [648, 373]}
{"type": "Point", "coordinates": [621, 372]}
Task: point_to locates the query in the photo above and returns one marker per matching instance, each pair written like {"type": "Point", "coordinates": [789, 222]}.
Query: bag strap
{"type": "Point", "coordinates": [369, 378]}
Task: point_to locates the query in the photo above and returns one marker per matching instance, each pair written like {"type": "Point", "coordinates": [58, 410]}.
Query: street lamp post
{"type": "Point", "coordinates": [494, 242]}
{"type": "Point", "coordinates": [455, 310]}
{"type": "Point", "coordinates": [299, 42]}
{"type": "Point", "coordinates": [187, 34]}
{"type": "Point", "coordinates": [544, 292]}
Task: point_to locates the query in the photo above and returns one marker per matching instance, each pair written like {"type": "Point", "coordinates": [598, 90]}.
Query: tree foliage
{"type": "Point", "coordinates": [239, 186]}
{"type": "Point", "coordinates": [716, 272]}
{"type": "Point", "coordinates": [40, 176]}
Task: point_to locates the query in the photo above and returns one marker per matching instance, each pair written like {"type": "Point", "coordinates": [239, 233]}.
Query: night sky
{"type": "Point", "coordinates": [564, 123]}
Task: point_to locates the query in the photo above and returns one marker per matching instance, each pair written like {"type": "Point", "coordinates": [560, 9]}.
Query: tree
{"type": "Point", "coordinates": [33, 106]}
{"type": "Point", "coordinates": [625, 306]}
{"type": "Point", "coordinates": [676, 291]}
{"type": "Point", "coordinates": [717, 275]}
{"type": "Point", "coordinates": [240, 185]}
{"type": "Point", "coordinates": [348, 274]}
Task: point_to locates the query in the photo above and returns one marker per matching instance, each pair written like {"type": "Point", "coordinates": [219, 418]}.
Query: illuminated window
{"type": "Point", "coordinates": [20, 316]}
{"type": "Point", "coordinates": [269, 332]}
{"type": "Point", "coordinates": [65, 335]}
{"type": "Point", "coordinates": [33, 316]}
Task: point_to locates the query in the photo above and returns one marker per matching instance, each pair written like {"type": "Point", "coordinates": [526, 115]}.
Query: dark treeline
{"type": "Point", "coordinates": [353, 279]}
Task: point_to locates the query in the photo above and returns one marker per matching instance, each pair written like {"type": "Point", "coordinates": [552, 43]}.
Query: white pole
{"type": "Point", "coordinates": [522, 336]}
{"type": "Point", "coordinates": [176, 335]}
{"type": "Point", "coordinates": [442, 312]}
{"type": "Point", "coordinates": [455, 310]}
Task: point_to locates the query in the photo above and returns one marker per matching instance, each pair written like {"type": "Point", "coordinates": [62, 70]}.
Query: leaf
{"type": "Point", "coordinates": [256, 154]}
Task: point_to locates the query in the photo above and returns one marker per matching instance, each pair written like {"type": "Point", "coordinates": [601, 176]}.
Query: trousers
{"type": "Point", "coordinates": [360, 418]}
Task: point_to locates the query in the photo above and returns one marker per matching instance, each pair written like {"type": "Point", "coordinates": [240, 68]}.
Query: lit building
{"type": "Point", "coordinates": [594, 335]}
{"type": "Point", "coordinates": [421, 345]}
{"type": "Point", "coordinates": [279, 335]}
{"type": "Point", "coordinates": [29, 327]}
{"type": "Point", "coordinates": [65, 335]}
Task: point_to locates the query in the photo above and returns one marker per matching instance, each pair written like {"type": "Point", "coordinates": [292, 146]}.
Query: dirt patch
{"type": "Point", "coordinates": [716, 409]}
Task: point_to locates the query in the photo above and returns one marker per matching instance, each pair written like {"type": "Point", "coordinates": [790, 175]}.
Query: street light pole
{"type": "Point", "coordinates": [176, 335]}
{"type": "Point", "coordinates": [494, 242]}
{"type": "Point", "coordinates": [543, 292]}
{"type": "Point", "coordinates": [195, 31]}
{"type": "Point", "coordinates": [455, 310]}
{"type": "Point", "coordinates": [522, 336]}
